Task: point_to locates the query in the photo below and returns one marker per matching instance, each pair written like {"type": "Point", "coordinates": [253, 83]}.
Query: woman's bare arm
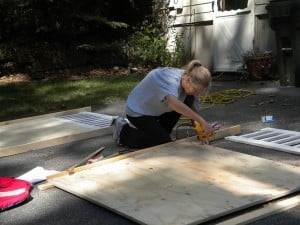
{"type": "Point", "coordinates": [183, 109]}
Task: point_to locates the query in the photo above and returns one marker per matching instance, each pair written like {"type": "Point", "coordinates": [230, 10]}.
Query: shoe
{"type": "Point", "coordinates": [119, 124]}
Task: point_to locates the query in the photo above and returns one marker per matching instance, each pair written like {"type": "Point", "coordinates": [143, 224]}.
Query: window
{"type": "Point", "coordinates": [224, 5]}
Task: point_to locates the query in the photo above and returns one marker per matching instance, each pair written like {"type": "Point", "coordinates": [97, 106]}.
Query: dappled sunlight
{"type": "Point", "coordinates": [241, 185]}
{"type": "Point", "coordinates": [169, 178]}
{"type": "Point", "coordinates": [87, 186]}
{"type": "Point", "coordinates": [37, 130]}
{"type": "Point", "coordinates": [37, 98]}
{"type": "Point", "coordinates": [224, 170]}
{"type": "Point", "coordinates": [267, 90]}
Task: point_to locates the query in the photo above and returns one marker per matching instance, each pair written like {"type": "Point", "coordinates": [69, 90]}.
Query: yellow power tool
{"type": "Point", "coordinates": [200, 131]}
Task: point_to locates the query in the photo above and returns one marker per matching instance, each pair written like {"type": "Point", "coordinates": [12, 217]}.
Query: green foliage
{"type": "Point", "coordinates": [39, 35]}
{"type": "Point", "coordinates": [251, 55]}
{"type": "Point", "coordinates": [148, 46]}
{"type": "Point", "coordinates": [43, 34]}
{"type": "Point", "coordinates": [258, 65]}
{"type": "Point", "coordinates": [49, 20]}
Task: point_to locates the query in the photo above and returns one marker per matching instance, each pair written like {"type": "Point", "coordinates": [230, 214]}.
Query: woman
{"type": "Point", "coordinates": [155, 105]}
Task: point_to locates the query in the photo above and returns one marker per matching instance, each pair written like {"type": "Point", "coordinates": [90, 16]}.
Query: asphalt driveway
{"type": "Point", "coordinates": [55, 206]}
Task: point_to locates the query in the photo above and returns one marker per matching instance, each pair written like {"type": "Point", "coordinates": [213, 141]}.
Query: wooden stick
{"type": "Point", "coordinates": [219, 134]}
{"type": "Point", "coordinates": [45, 186]}
{"type": "Point", "coordinates": [71, 169]}
{"type": "Point", "coordinates": [48, 185]}
{"type": "Point", "coordinates": [266, 210]}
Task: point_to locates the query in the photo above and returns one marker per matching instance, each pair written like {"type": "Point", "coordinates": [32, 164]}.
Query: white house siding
{"type": "Point", "coordinates": [232, 37]}
{"type": "Point", "coordinates": [264, 36]}
{"type": "Point", "coordinates": [218, 38]}
{"type": "Point", "coordinates": [193, 22]}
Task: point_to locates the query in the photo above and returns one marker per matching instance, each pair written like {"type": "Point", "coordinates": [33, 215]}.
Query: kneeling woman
{"type": "Point", "coordinates": [155, 105]}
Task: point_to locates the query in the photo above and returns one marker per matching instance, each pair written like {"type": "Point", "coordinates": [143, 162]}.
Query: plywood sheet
{"type": "Point", "coordinates": [44, 131]}
{"type": "Point", "coordinates": [182, 182]}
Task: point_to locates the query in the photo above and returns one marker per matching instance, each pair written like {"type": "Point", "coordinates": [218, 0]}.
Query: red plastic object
{"type": "Point", "coordinates": [13, 191]}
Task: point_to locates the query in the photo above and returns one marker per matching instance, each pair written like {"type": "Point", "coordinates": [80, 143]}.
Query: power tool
{"type": "Point", "coordinates": [200, 131]}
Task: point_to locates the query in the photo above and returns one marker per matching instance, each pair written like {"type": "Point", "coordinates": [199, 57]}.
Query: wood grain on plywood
{"type": "Point", "coordinates": [182, 182]}
{"type": "Point", "coordinates": [234, 130]}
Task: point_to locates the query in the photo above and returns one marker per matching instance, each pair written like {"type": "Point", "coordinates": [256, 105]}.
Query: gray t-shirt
{"type": "Point", "coordinates": [148, 97]}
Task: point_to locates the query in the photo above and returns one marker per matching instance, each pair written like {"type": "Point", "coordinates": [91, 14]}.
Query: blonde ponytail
{"type": "Point", "coordinates": [193, 64]}
{"type": "Point", "coordinates": [199, 75]}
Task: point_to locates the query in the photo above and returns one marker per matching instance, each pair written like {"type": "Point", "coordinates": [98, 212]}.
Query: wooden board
{"type": "Point", "coordinates": [266, 210]}
{"type": "Point", "coordinates": [182, 182]}
{"type": "Point", "coordinates": [48, 130]}
{"type": "Point", "coordinates": [272, 138]}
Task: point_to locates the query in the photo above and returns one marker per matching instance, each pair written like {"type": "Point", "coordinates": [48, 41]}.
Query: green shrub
{"type": "Point", "coordinates": [148, 46]}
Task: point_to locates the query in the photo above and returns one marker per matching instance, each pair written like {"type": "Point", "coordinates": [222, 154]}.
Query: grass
{"type": "Point", "coordinates": [25, 99]}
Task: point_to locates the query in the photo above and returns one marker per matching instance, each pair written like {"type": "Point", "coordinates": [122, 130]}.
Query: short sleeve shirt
{"type": "Point", "coordinates": [148, 97]}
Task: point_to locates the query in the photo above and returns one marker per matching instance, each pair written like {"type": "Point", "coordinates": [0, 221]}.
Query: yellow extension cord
{"type": "Point", "coordinates": [224, 97]}
{"type": "Point", "coordinates": [219, 97]}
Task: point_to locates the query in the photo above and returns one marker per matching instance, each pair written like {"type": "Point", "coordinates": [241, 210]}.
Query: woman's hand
{"type": "Point", "coordinates": [203, 135]}
{"type": "Point", "coordinates": [207, 128]}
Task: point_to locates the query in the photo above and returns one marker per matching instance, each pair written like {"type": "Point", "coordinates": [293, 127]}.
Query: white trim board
{"type": "Point", "coordinates": [88, 119]}
{"type": "Point", "coordinates": [60, 113]}
{"type": "Point", "coordinates": [272, 138]}
{"type": "Point", "coordinates": [50, 130]}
